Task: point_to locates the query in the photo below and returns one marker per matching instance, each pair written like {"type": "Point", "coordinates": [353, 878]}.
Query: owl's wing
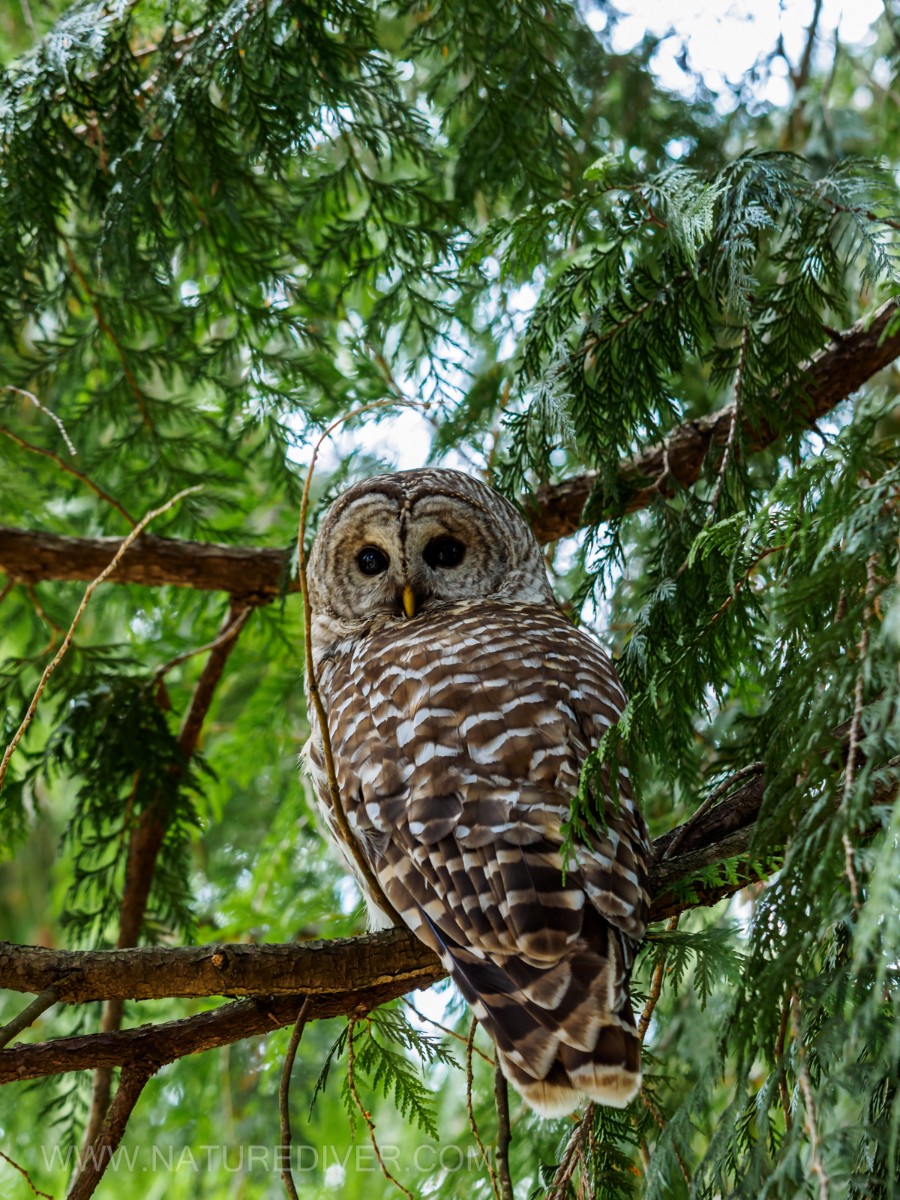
{"type": "Point", "coordinates": [461, 798]}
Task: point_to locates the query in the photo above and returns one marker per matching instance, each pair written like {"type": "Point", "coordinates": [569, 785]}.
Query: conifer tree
{"type": "Point", "coordinates": [662, 322]}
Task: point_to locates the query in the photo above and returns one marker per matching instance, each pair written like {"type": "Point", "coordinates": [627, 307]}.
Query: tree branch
{"type": "Point", "coordinates": [832, 376]}
{"type": "Point", "coordinates": [261, 574]}
{"type": "Point", "coordinates": [152, 562]}
{"type": "Point", "coordinates": [97, 1158]}
{"type": "Point", "coordinates": [146, 841]}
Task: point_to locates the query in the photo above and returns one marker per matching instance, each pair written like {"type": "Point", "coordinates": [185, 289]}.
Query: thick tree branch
{"type": "Point", "coordinates": [340, 966]}
{"type": "Point", "coordinates": [153, 562]}
{"type": "Point", "coordinates": [261, 574]}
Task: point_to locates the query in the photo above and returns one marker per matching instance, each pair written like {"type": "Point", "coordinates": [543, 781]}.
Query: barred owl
{"type": "Point", "coordinates": [461, 705]}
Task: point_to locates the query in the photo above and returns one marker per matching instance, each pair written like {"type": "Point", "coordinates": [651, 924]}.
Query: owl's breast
{"type": "Point", "coordinates": [491, 697]}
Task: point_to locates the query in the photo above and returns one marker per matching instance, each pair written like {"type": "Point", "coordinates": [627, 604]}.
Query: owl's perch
{"type": "Point", "coordinates": [341, 977]}
{"type": "Point", "coordinates": [258, 575]}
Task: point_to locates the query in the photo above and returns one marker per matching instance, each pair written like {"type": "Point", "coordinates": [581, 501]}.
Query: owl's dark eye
{"type": "Point", "coordinates": [444, 552]}
{"type": "Point", "coordinates": [371, 560]}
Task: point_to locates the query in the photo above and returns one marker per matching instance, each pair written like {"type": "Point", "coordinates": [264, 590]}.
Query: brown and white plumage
{"type": "Point", "coordinates": [459, 734]}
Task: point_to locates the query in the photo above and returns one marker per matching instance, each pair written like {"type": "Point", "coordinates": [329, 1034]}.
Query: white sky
{"type": "Point", "coordinates": [723, 41]}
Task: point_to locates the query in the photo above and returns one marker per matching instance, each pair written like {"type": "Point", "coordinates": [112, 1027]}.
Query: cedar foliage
{"type": "Point", "coordinates": [224, 224]}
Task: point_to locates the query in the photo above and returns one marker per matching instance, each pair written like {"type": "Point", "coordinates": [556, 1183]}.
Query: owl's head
{"type": "Point", "coordinates": [405, 544]}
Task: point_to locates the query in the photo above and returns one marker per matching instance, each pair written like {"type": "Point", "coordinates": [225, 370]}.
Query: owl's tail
{"type": "Point", "coordinates": [565, 1030]}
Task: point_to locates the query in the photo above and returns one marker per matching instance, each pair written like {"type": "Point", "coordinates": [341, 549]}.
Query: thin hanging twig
{"type": "Point", "coordinates": [8, 387]}
{"type": "Point", "coordinates": [67, 640]}
{"type": "Point", "coordinates": [231, 631]}
{"type": "Point", "coordinates": [733, 424]}
{"type": "Point", "coordinates": [470, 1044]}
{"type": "Point", "coordinates": [366, 1115]}
{"type": "Point", "coordinates": [284, 1103]}
{"type": "Point", "coordinates": [16, 1166]}
{"type": "Point", "coordinates": [55, 630]}
{"type": "Point", "coordinates": [816, 1165]}
{"type": "Point", "coordinates": [862, 650]}
{"type": "Point", "coordinates": [779, 1063]}
{"type": "Point", "coordinates": [656, 982]}
{"type": "Point", "coordinates": [447, 1030]}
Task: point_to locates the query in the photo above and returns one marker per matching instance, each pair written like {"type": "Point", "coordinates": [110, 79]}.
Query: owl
{"type": "Point", "coordinates": [461, 705]}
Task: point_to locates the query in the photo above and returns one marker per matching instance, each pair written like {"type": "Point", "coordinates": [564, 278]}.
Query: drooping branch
{"type": "Point", "coordinates": [261, 574]}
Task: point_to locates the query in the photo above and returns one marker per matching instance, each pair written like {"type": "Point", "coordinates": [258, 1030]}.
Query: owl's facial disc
{"type": "Point", "coordinates": [403, 545]}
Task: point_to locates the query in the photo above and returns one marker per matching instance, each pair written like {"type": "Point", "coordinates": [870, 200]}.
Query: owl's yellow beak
{"type": "Point", "coordinates": [409, 601]}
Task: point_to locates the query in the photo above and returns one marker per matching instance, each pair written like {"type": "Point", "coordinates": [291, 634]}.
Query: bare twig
{"type": "Point", "coordinates": [64, 466]}
{"type": "Point", "coordinates": [8, 387]}
{"type": "Point", "coordinates": [42, 615]}
{"type": "Point", "coordinates": [366, 1115]}
{"type": "Point", "coordinates": [445, 1029]}
{"type": "Point", "coordinates": [732, 596]}
{"type": "Point", "coordinates": [733, 424]}
{"type": "Point", "coordinates": [284, 1101]}
{"type": "Point", "coordinates": [473, 1125]}
{"type": "Point", "coordinates": [779, 1063]}
{"type": "Point", "coordinates": [232, 628]}
{"type": "Point", "coordinates": [656, 983]}
{"type": "Point", "coordinates": [334, 795]}
{"type": "Point", "coordinates": [67, 640]}
{"type": "Point", "coordinates": [504, 1134]}
{"type": "Point", "coordinates": [47, 998]}
{"type": "Point", "coordinates": [862, 650]}
{"type": "Point", "coordinates": [16, 1166]}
